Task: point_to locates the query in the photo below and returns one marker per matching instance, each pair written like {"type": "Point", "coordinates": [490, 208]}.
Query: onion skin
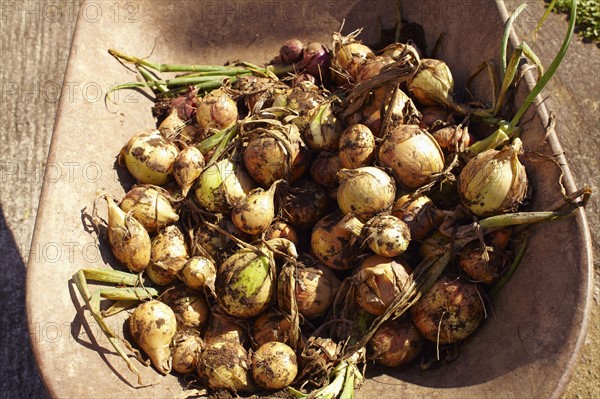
{"type": "Point", "coordinates": [224, 328]}
{"type": "Point", "coordinates": [226, 365]}
{"type": "Point", "coordinates": [418, 213]}
{"type": "Point", "coordinates": [274, 366]}
{"type": "Point", "coordinates": [304, 203]}
{"type": "Point", "coordinates": [257, 213]}
{"type": "Point", "coordinates": [187, 168]}
{"type": "Point", "coordinates": [357, 146]}
{"type": "Point", "coordinates": [149, 157]}
{"type": "Point", "coordinates": [149, 205]}
{"type": "Point", "coordinates": [271, 325]}
{"type": "Point", "coordinates": [187, 346]}
{"type": "Point", "coordinates": [324, 130]}
{"type": "Point", "coordinates": [316, 59]}
{"type": "Point", "coordinates": [169, 255]}
{"type": "Point", "coordinates": [433, 83]}
{"type": "Point", "coordinates": [365, 192]}
{"type": "Point", "coordinates": [129, 241]}
{"type": "Point", "coordinates": [330, 243]}
{"type": "Point", "coordinates": [199, 272]}
{"type": "Point", "coordinates": [153, 326]}
{"type": "Point", "coordinates": [395, 343]}
{"type": "Point", "coordinates": [372, 66]}
{"type": "Point", "coordinates": [245, 284]}
{"type": "Point", "coordinates": [316, 287]}
{"type": "Point", "coordinates": [349, 58]}
{"type": "Point", "coordinates": [281, 229]}
{"type": "Point", "coordinates": [433, 114]}
{"type": "Point", "coordinates": [190, 307]}
{"type": "Point", "coordinates": [324, 168]}
{"type": "Point", "coordinates": [494, 182]}
{"type": "Point", "coordinates": [449, 312]}
{"type": "Point", "coordinates": [483, 268]}
{"type": "Point", "coordinates": [379, 281]}
{"type": "Point", "coordinates": [216, 110]}
{"type": "Point", "coordinates": [387, 235]}
{"type": "Point", "coordinates": [413, 155]}
{"type": "Point", "coordinates": [453, 138]}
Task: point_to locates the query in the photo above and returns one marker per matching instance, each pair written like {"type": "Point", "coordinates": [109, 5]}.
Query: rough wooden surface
{"type": "Point", "coordinates": [35, 45]}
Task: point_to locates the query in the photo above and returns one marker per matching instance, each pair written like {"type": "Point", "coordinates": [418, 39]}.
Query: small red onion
{"type": "Point", "coordinates": [316, 58]}
{"type": "Point", "coordinates": [291, 51]}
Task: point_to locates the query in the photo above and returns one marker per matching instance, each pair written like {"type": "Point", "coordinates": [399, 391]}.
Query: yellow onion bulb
{"type": "Point", "coordinates": [282, 229]}
{"type": "Point", "coordinates": [494, 182]}
{"type": "Point", "coordinates": [199, 272]}
{"type": "Point", "coordinates": [153, 326]}
{"type": "Point", "coordinates": [187, 168]}
{"type": "Point", "coordinates": [304, 203]}
{"type": "Point", "coordinates": [378, 281]}
{"type": "Point", "coordinates": [150, 206]}
{"type": "Point", "coordinates": [271, 325]}
{"type": "Point", "coordinates": [330, 242]}
{"type": "Point", "coordinates": [418, 212]}
{"type": "Point", "coordinates": [257, 212]}
{"type": "Point", "coordinates": [169, 255]}
{"type": "Point", "coordinates": [412, 154]}
{"type": "Point", "coordinates": [395, 343]}
{"type": "Point", "coordinates": [274, 366]}
{"type": "Point", "coordinates": [172, 126]}
{"type": "Point", "coordinates": [324, 130]}
{"type": "Point", "coordinates": [372, 66]}
{"type": "Point", "coordinates": [365, 191]}
{"type": "Point", "coordinates": [129, 240]}
{"type": "Point", "coordinates": [449, 311]}
{"type": "Point", "coordinates": [224, 328]}
{"type": "Point", "coordinates": [481, 266]}
{"type": "Point", "coordinates": [222, 184]}
{"type": "Point", "coordinates": [149, 157]}
{"type": "Point", "coordinates": [433, 83]}
{"type": "Point", "coordinates": [349, 58]}
{"type": "Point", "coordinates": [190, 307]}
{"type": "Point", "coordinates": [357, 146]}
{"type": "Point", "coordinates": [387, 235]}
{"type": "Point", "coordinates": [316, 287]}
{"type": "Point", "coordinates": [324, 168]}
{"type": "Point", "coordinates": [187, 346]}
{"type": "Point", "coordinates": [216, 110]}
{"type": "Point", "coordinates": [226, 365]}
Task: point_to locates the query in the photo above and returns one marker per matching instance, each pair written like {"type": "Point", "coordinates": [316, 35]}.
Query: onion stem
{"type": "Point", "coordinates": [505, 36]}
{"type": "Point", "coordinates": [112, 277]}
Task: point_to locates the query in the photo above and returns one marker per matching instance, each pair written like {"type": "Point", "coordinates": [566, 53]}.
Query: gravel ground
{"type": "Point", "coordinates": [35, 42]}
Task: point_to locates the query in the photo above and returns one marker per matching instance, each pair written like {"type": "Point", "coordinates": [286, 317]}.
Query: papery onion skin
{"type": "Point", "coordinates": [395, 343]}
{"type": "Point", "coordinates": [387, 235]}
{"type": "Point", "coordinates": [479, 266]}
{"type": "Point", "coordinates": [149, 157]}
{"type": "Point", "coordinates": [199, 272]}
{"type": "Point", "coordinates": [449, 311]}
{"type": "Point", "coordinates": [418, 213]}
{"type": "Point", "coordinates": [187, 346]}
{"type": "Point", "coordinates": [365, 191]}
{"type": "Point", "coordinates": [494, 182]}
{"type": "Point", "coordinates": [433, 83]}
{"type": "Point", "coordinates": [149, 205]}
{"type": "Point", "coordinates": [349, 58]}
{"type": "Point", "coordinates": [357, 146]}
{"type": "Point", "coordinates": [274, 366]}
{"type": "Point", "coordinates": [190, 307]}
{"type": "Point", "coordinates": [168, 255]}
{"type": "Point", "coordinates": [316, 59]}
{"type": "Point", "coordinates": [216, 110]}
{"type": "Point", "coordinates": [379, 281]}
{"type": "Point", "coordinates": [271, 325]}
{"type": "Point", "coordinates": [330, 242]}
{"type": "Point", "coordinates": [304, 203]}
{"type": "Point", "coordinates": [281, 229]}
{"type": "Point", "coordinates": [129, 241]}
{"type": "Point", "coordinates": [187, 168]}
{"type": "Point", "coordinates": [324, 168]}
{"type": "Point", "coordinates": [224, 328]}
{"type": "Point", "coordinates": [257, 212]}
{"type": "Point", "coordinates": [324, 130]}
{"type": "Point", "coordinates": [245, 284]}
{"type": "Point", "coordinates": [226, 365]}
{"type": "Point", "coordinates": [153, 326]}
{"type": "Point", "coordinates": [316, 287]}
{"type": "Point", "coordinates": [413, 155]}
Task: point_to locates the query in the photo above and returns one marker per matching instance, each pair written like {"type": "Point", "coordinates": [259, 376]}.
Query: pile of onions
{"type": "Point", "coordinates": [272, 215]}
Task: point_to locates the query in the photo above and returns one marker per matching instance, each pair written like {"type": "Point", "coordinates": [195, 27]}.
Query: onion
{"type": "Point", "coordinates": [221, 184]}
{"type": "Point", "coordinates": [395, 343]}
{"type": "Point", "coordinates": [271, 325]}
{"type": "Point", "coordinates": [379, 280]}
{"type": "Point", "coordinates": [187, 346]}
{"type": "Point", "coordinates": [330, 242]}
{"type": "Point", "coordinates": [129, 241]}
{"type": "Point", "coordinates": [257, 212]}
{"type": "Point", "coordinates": [387, 235]}
{"type": "Point", "coordinates": [172, 126]}
{"type": "Point", "coordinates": [453, 138]}
{"type": "Point", "coordinates": [433, 245]}
{"type": "Point", "coordinates": [169, 254]}
{"type": "Point", "coordinates": [349, 58]}
{"type": "Point", "coordinates": [149, 157]}
{"type": "Point", "coordinates": [449, 312]}
{"type": "Point", "coordinates": [412, 154]}
{"type": "Point", "coordinates": [302, 99]}
{"type": "Point", "coordinates": [224, 328]}
{"type": "Point", "coordinates": [304, 203]}
{"type": "Point", "coordinates": [274, 366]}
{"type": "Point", "coordinates": [216, 110]}
{"type": "Point", "coordinates": [153, 326]}
{"type": "Point", "coordinates": [215, 243]}
{"type": "Point", "coordinates": [150, 206]}
{"type": "Point", "coordinates": [245, 284]}
{"type": "Point", "coordinates": [190, 308]}
{"type": "Point", "coordinates": [357, 146]}
{"type": "Point", "coordinates": [276, 154]}
{"type": "Point", "coordinates": [371, 67]}
{"type": "Point", "coordinates": [481, 266]}
{"type": "Point", "coordinates": [291, 51]}
{"type": "Point", "coordinates": [281, 229]}
{"type": "Point", "coordinates": [433, 83]}
{"type": "Point", "coordinates": [324, 130]}
{"type": "Point", "coordinates": [433, 114]}
{"type": "Point", "coordinates": [365, 191]}
{"type": "Point", "coordinates": [418, 212]}
{"type": "Point", "coordinates": [316, 59]}
{"type": "Point", "coordinates": [324, 169]}
{"type": "Point", "coordinates": [187, 168]}
{"type": "Point", "coordinates": [494, 181]}
{"type": "Point", "coordinates": [226, 365]}
{"type": "Point", "coordinates": [316, 287]}
{"type": "Point", "coordinates": [199, 272]}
